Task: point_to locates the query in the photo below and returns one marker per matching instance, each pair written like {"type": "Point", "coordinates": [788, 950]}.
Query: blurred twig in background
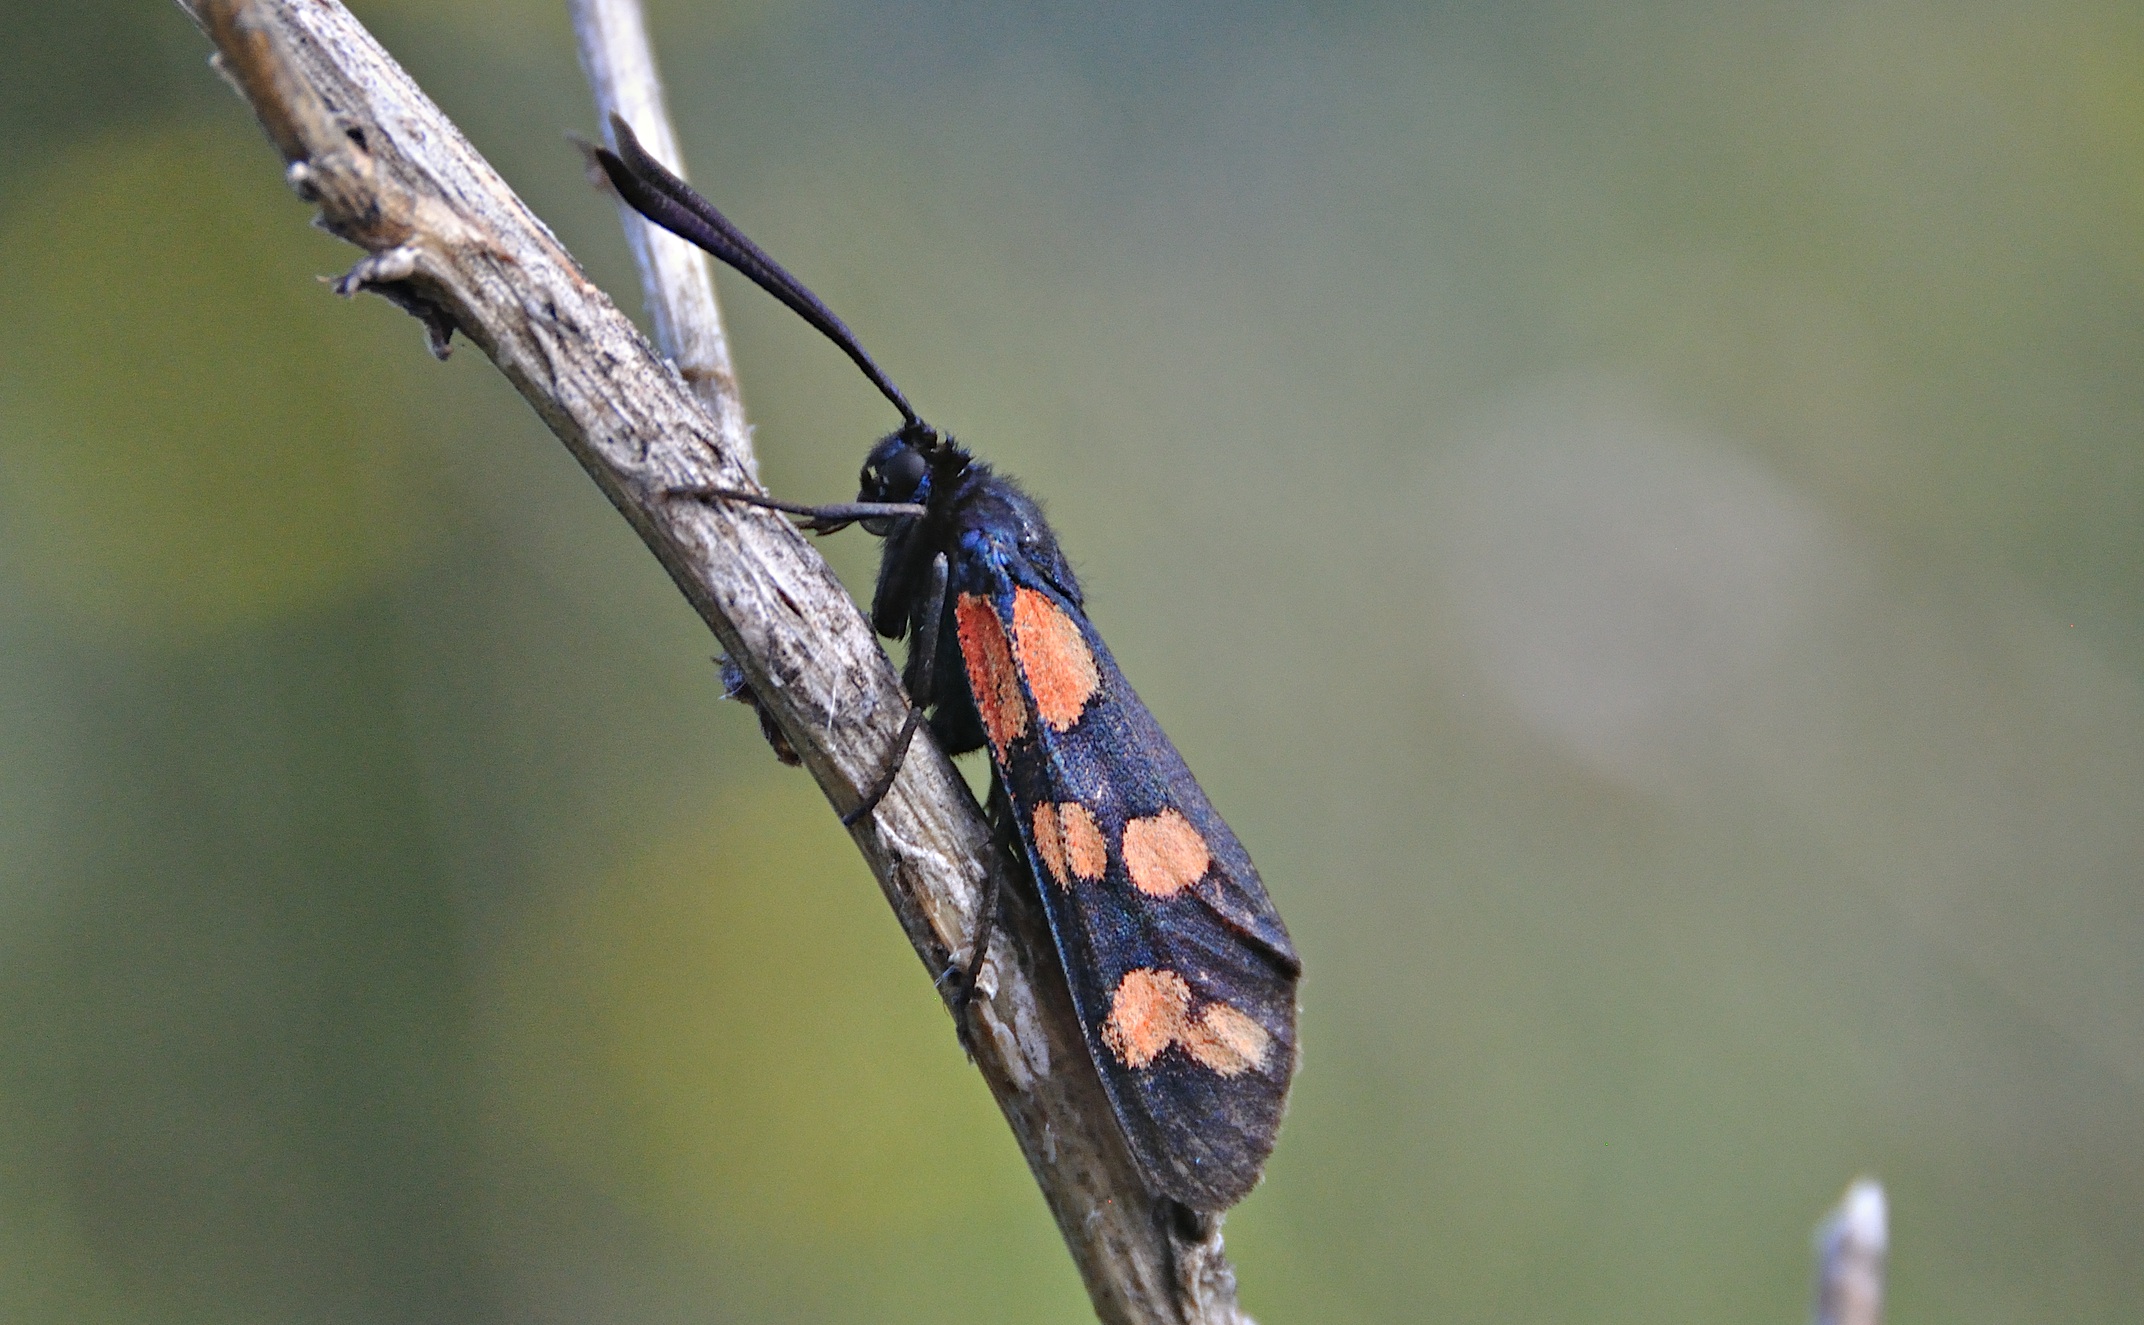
{"type": "Point", "coordinates": [674, 276]}
{"type": "Point", "coordinates": [449, 241]}
{"type": "Point", "coordinates": [1850, 1248]}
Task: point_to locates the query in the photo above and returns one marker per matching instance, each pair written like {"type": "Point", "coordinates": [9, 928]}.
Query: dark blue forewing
{"type": "Point", "coordinates": [1181, 971]}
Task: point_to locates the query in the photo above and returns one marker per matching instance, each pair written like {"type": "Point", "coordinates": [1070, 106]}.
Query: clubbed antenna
{"type": "Point", "coordinates": [671, 203]}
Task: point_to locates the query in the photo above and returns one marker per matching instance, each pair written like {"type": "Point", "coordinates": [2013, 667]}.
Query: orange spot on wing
{"type": "Point", "coordinates": [1050, 843]}
{"type": "Point", "coordinates": [990, 674]}
{"type": "Point", "coordinates": [1151, 1010]}
{"type": "Point", "coordinates": [1146, 1015]}
{"type": "Point", "coordinates": [1164, 854]}
{"type": "Point", "coordinates": [1054, 658]}
{"type": "Point", "coordinates": [1070, 843]}
{"type": "Point", "coordinates": [1085, 851]}
{"type": "Point", "coordinates": [1226, 1039]}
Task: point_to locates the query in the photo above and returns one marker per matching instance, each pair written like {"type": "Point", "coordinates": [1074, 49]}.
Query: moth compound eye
{"type": "Point", "coordinates": [905, 470]}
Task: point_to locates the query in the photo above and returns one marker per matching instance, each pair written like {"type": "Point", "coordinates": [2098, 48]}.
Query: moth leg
{"type": "Point", "coordinates": [926, 644]}
{"type": "Point", "coordinates": [1002, 836]}
{"type": "Point", "coordinates": [735, 686]}
{"type": "Point", "coordinates": [877, 791]}
{"type": "Point", "coordinates": [827, 519]}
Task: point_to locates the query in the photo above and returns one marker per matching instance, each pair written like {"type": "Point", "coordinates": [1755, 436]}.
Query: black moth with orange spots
{"type": "Point", "coordinates": [1179, 967]}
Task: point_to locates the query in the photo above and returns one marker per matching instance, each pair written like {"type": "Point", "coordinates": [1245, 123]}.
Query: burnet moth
{"type": "Point", "coordinates": [1180, 969]}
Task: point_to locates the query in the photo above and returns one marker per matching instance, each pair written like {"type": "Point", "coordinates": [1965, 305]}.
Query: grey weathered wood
{"type": "Point", "coordinates": [448, 240]}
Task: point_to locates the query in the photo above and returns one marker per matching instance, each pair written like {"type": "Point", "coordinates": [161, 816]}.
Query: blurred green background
{"type": "Point", "coordinates": [1635, 511]}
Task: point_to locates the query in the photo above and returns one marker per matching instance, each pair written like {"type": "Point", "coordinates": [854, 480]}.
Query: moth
{"type": "Point", "coordinates": [1180, 969]}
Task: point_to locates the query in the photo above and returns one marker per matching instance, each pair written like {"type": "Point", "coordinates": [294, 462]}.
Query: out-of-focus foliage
{"type": "Point", "coordinates": [1635, 511]}
{"type": "Point", "coordinates": [150, 265]}
{"type": "Point", "coordinates": [628, 1018]}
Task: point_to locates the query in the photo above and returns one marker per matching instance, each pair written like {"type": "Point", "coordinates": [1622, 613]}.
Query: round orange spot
{"type": "Point", "coordinates": [1164, 854]}
{"type": "Point", "coordinates": [1227, 1040]}
{"type": "Point", "coordinates": [990, 674]}
{"type": "Point", "coordinates": [1070, 843]}
{"type": "Point", "coordinates": [1146, 1015]}
{"type": "Point", "coordinates": [1054, 658]}
{"type": "Point", "coordinates": [1050, 843]}
{"type": "Point", "coordinates": [1085, 851]}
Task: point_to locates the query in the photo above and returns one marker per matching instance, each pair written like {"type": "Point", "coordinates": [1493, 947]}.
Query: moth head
{"type": "Point", "coordinates": [897, 470]}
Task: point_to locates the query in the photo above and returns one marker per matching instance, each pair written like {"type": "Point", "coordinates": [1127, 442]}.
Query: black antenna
{"type": "Point", "coordinates": [670, 202]}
